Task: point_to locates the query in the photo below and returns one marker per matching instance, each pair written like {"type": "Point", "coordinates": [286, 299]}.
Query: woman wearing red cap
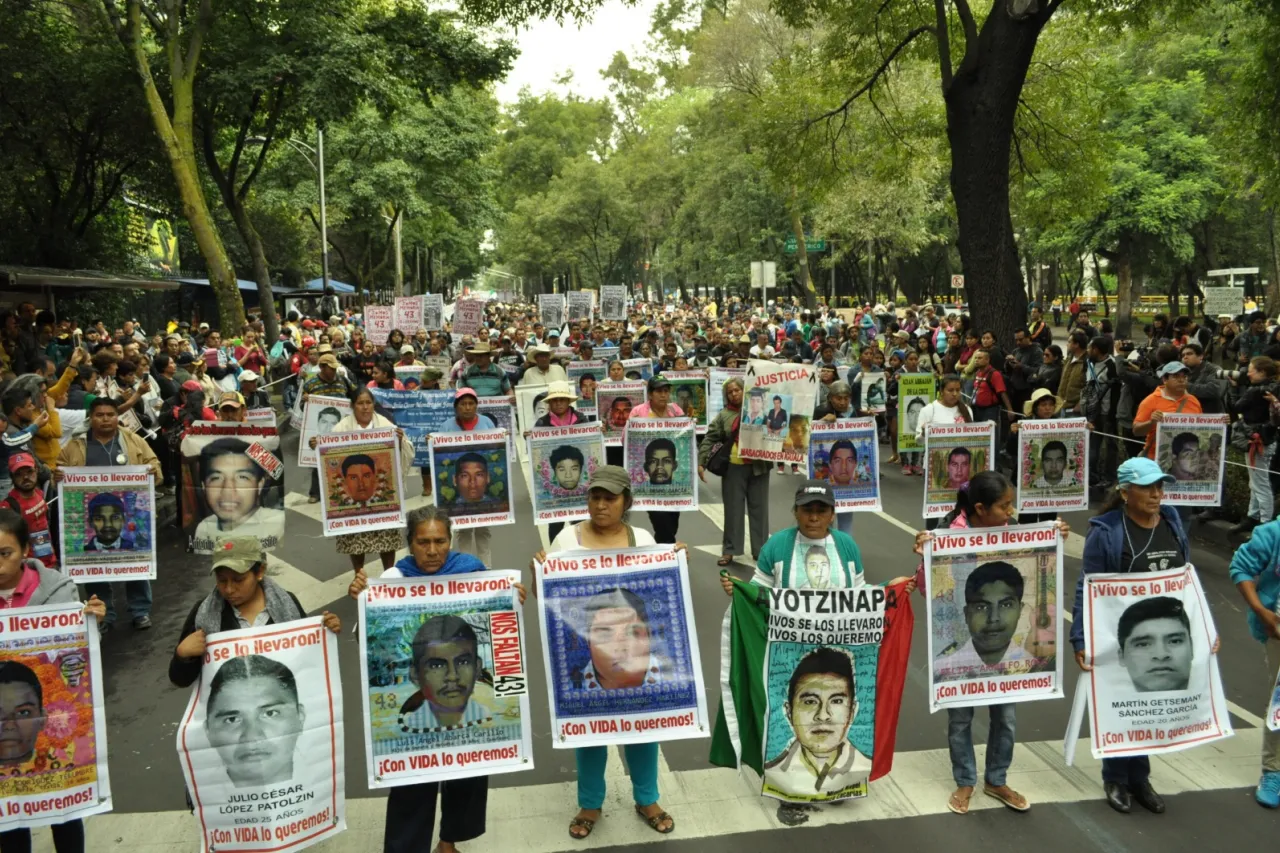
{"type": "Point", "coordinates": [473, 540]}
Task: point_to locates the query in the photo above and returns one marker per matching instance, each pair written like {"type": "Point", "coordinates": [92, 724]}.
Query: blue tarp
{"type": "Point", "coordinates": [317, 284]}
{"type": "Point", "coordinates": [204, 282]}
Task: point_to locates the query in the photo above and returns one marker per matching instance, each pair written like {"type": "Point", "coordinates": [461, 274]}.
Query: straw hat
{"type": "Point", "coordinates": [1038, 395]}
{"type": "Point", "coordinates": [560, 391]}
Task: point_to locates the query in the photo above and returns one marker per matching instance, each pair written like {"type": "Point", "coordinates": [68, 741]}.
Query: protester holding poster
{"type": "Point", "coordinates": [1192, 448]}
{"type": "Point", "coordinates": [1133, 534]}
{"type": "Point", "coordinates": [233, 484]}
{"type": "Point", "coordinates": [471, 476]}
{"type": "Point", "coordinates": [780, 403]}
{"type": "Point", "coordinates": [952, 454]}
{"type": "Point", "coordinates": [411, 805]}
{"type": "Point", "coordinates": [662, 455]}
{"type": "Point", "coordinates": [58, 772]}
{"type": "Point", "coordinates": [689, 391]}
{"type": "Point", "coordinates": [744, 485]}
{"type": "Point", "coordinates": [561, 461]}
{"type": "Point", "coordinates": [661, 467]}
{"type": "Point", "coordinates": [363, 485]}
{"type": "Point", "coordinates": [1053, 465]}
{"type": "Point", "coordinates": [846, 453]}
{"type": "Point", "coordinates": [1253, 573]}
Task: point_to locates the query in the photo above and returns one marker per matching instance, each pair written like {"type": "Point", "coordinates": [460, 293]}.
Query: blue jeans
{"type": "Point", "coordinates": [1000, 738]}
{"type": "Point", "coordinates": [137, 593]}
{"type": "Point", "coordinates": [642, 762]}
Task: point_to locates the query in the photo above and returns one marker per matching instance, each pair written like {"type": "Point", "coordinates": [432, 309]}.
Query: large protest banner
{"type": "Point", "coordinates": [107, 523]}
{"type": "Point", "coordinates": [875, 391]}
{"type": "Point", "coordinates": [952, 454]}
{"type": "Point", "coordinates": [319, 416]}
{"type": "Point", "coordinates": [580, 304]}
{"type": "Point", "coordinates": [717, 376]}
{"type": "Point", "coordinates": [53, 763]}
{"type": "Point", "coordinates": [776, 412]}
{"type": "Point", "coordinates": [418, 413]}
{"type": "Point", "coordinates": [379, 320]}
{"type": "Point", "coordinates": [915, 391]}
{"type": "Point", "coordinates": [561, 461]}
{"type": "Point", "coordinates": [811, 687]}
{"type": "Point", "coordinates": [471, 474]}
{"type": "Point", "coordinates": [689, 392]}
{"type": "Point", "coordinates": [361, 487]}
{"type": "Point", "coordinates": [468, 315]}
{"type": "Point", "coordinates": [233, 483]}
{"type": "Point", "coordinates": [261, 741]}
{"type": "Point", "coordinates": [408, 314]}
{"type": "Point", "coordinates": [445, 690]}
{"type": "Point", "coordinates": [846, 453]}
{"type": "Point", "coordinates": [662, 458]}
{"type": "Point", "coordinates": [1155, 685]}
{"type": "Point", "coordinates": [433, 312]}
{"type": "Point", "coordinates": [620, 647]}
{"type": "Point", "coordinates": [613, 302]}
{"type": "Point", "coordinates": [551, 310]}
{"type": "Point", "coordinates": [994, 599]}
{"type": "Point", "coordinates": [1053, 465]}
{"type": "Point", "coordinates": [1192, 448]}
{"type": "Point", "coordinates": [614, 402]}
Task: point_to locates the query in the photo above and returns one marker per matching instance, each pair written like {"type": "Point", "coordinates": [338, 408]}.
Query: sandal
{"type": "Point", "coordinates": [959, 801]}
{"type": "Point", "coordinates": [655, 821]}
{"type": "Point", "coordinates": [725, 560]}
{"type": "Point", "coordinates": [1011, 798]}
{"type": "Point", "coordinates": [585, 824]}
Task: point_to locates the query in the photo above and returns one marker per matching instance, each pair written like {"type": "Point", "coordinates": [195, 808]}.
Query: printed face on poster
{"type": "Point", "coordinates": [261, 741]}
{"type": "Point", "coordinates": [433, 312]}
{"type": "Point", "coordinates": [820, 725]}
{"type": "Point", "coordinates": [53, 748]}
{"type": "Point", "coordinates": [994, 599]}
{"type": "Point", "coordinates": [472, 477]}
{"type": "Point", "coordinates": [360, 482]}
{"type": "Point", "coordinates": [778, 407]}
{"type": "Point", "coordinates": [715, 388]}
{"type": "Point", "coordinates": [613, 302]}
{"type": "Point", "coordinates": [915, 391]}
{"type": "Point", "coordinates": [689, 392]}
{"type": "Point", "coordinates": [661, 457]}
{"type": "Point", "coordinates": [846, 454]}
{"type": "Point", "coordinates": [875, 394]}
{"type": "Point", "coordinates": [1053, 465]}
{"type": "Point", "coordinates": [1155, 682]}
{"type": "Point", "coordinates": [620, 649]}
{"type": "Point", "coordinates": [953, 454]}
{"type": "Point", "coordinates": [530, 405]}
{"type": "Point", "coordinates": [551, 310]}
{"type": "Point", "coordinates": [233, 484]}
{"type": "Point", "coordinates": [614, 402]}
{"type": "Point", "coordinates": [107, 523]}
{"type": "Point", "coordinates": [562, 460]}
{"type": "Point", "coordinates": [445, 692]}
{"type": "Point", "coordinates": [319, 416]}
{"type": "Point", "coordinates": [1193, 449]}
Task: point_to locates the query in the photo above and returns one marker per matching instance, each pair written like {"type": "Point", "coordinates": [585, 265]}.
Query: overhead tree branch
{"type": "Point", "coordinates": [875, 76]}
{"type": "Point", "coordinates": [943, 32]}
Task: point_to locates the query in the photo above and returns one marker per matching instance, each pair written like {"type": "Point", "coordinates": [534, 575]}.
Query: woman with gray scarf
{"type": "Point", "coordinates": [244, 597]}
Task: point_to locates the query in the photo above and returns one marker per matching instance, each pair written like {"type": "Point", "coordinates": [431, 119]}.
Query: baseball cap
{"type": "Point", "coordinates": [612, 478]}
{"type": "Point", "coordinates": [464, 392]}
{"type": "Point", "coordinates": [1170, 368]}
{"type": "Point", "coordinates": [657, 383]}
{"type": "Point", "coordinates": [1141, 471]}
{"type": "Point", "coordinates": [191, 385]}
{"type": "Point", "coordinates": [231, 398]}
{"type": "Point", "coordinates": [18, 461]}
{"type": "Point", "coordinates": [815, 491]}
{"type": "Point", "coordinates": [407, 348]}
{"type": "Point", "coordinates": [204, 326]}
{"type": "Point", "coordinates": [328, 360]}
{"type": "Point", "coordinates": [249, 376]}
{"type": "Point", "coordinates": [186, 358]}
{"type": "Point", "coordinates": [239, 553]}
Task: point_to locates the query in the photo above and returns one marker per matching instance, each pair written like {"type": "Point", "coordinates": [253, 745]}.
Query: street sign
{"type": "Point", "coordinates": [811, 244]}
{"type": "Point", "coordinates": [764, 275]}
{"type": "Point", "coordinates": [957, 282]}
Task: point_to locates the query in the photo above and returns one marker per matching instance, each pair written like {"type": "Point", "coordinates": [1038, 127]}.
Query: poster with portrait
{"type": "Point", "coordinates": [408, 314]}
{"type": "Point", "coordinates": [915, 391]}
{"type": "Point", "coordinates": [261, 740]}
{"type": "Point", "coordinates": [468, 316]}
{"type": "Point", "coordinates": [875, 391]}
{"type": "Point", "coordinates": [689, 391]}
{"type": "Point", "coordinates": [379, 320]}
{"type": "Point", "coordinates": [662, 458]}
{"type": "Point", "coordinates": [471, 475]}
{"type": "Point", "coordinates": [1155, 684]}
{"type": "Point", "coordinates": [232, 484]}
{"type": "Point", "coordinates": [586, 377]}
{"type": "Point", "coordinates": [409, 376]}
{"type": "Point", "coordinates": [418, 413]}
{"type": "Point", "coordinates": [620, 647]}
{"type": "Point", "coordinates": [107, 524]}
{"type": "Point", "coordinates": [614, 402]}
{"type": "Point", "coordinates": [717, 376]}
{"type": "Point", "coordinates": [53, 755]}
{"type": "Point", "coordinates": [502, 411]}
{"type": "Point", "coordinates": [995, 595]}
{"type": "Point", "coordinates": [580, 305]}
{"type": "Point", "coordinates": [1192, 448]}
{"type": "Point", "coordinates": [613, 302]}
{"type": "Point", "coordinates": [551, 310]}
{"type": "Point", "coordinates": [634, 369]}
{"type": "Point", "coordinates": [445, 687]}
{"type": "Point", "coordinates": [1053, 465]}
{"type": "Point", "coordinates": [561, 461]}
{"type": "Point", "coordinates": [846, 453]}
{"type": "Point", "coordinates": [319, 416]}
{"type": "Point", "coordinates": [952, 454]}
{"type": "Point", "coordinates": [777, 409]}
{"type": "Point", "coordinates": [361, 487]}
{"type": "Point", "coordinates": [433, 312]}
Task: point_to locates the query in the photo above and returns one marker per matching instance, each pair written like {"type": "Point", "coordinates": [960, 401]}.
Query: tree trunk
{"type": "Point", "coordinates": [1102, 290]}
{"type": "Point", "coordinates": [1050, 292]}
{"type": "Point", "coordinates": [1127, 291]}
{"type": "Point", "coordinates": [802, 254]}
{"type": "Point", "coordinates": [1273, 286]}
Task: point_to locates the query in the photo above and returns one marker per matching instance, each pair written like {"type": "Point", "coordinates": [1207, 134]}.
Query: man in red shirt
{"type": "Point", "coordinates": [27, 500]}
{"type": "Point", "coordinates": [988, 390]}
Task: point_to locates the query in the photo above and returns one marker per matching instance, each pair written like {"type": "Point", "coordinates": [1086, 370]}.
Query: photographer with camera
{"type": "Point", "coordinates": [1098, 402]}
{"type": "Point", "coordinates": [1253, 433]}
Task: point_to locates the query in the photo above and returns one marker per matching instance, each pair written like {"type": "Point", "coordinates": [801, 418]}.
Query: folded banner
{"type": "Point", "coordinates": [418, 413]}
{"type": "Point", "coordinates": [551, 310]}
{"type": "Point", "coordinates": [232, 484]}
{"type": "Point", "coordinates": [915, 391]}
{"type": "Point", "coordinates": [1155, 685]}
{"type": "Point", "coordinates": [361, 487]}
{"type": "Point", "coordinates": [445, 689]}
{"type": "Point", "coordinates": [433, 312]}
{"type": "Point", "coordinates": [614, 402]}
{"type": "Point", "coordinates": [952, 454]}
{"type": "Point", "coordinates": [662, 458]}
{"type": "Point", "coordinates": [261, 740]}
{"type": "Point", "coordinates": [53, 755]}
{"type": "Point", "coordinates": [472, 476]}
{"type": "Point", "coordinates": [1053, 465]}
{"type": "Point", "coordinates": [846, 453]}
{"type": "Point", "coordinates": [715, 387]}
{"type": "Point", "coordinates": [875, 391]}
{"type": "Point", "coordinates": [581, 302]}
{"type": "Point", "coordinates": [408, 314]}
{"type": "Point", "coordinates": [811, 686]}
{"type": "Point", "coordinates": [689, 392]}
{"type": "Point", "coordinates": [620, 647]}
{"type": "Point", "coordinates": [319, 416]}
{"type": "Point", "coordinates": [107, 520]}
{"type": "Point", "coordinates": [561, 461]}
{"type": "Point", "coordinates": [613, 302]}
{"type": "Point", "coordinates": [1193, 449]}
{"type": "Point", "coordinates": [776, 412]}
{"type": "Point", "coordinates": [379, 320]}
{"type": "Point", "coordinates": [994, 599]}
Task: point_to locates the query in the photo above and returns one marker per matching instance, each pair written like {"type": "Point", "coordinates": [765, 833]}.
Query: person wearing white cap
{"type": "Point", "coordinates": [542, 370]}
{"type": "Point", "coordinates": [254, 398]}
{"type": "Point", "coordinates": [408, 357]}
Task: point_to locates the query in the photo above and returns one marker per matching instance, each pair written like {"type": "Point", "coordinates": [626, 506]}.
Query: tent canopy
{"type": "Point", "coordinates": [244, 284]}
{"type": "Point", "coordinates": [317, 284]}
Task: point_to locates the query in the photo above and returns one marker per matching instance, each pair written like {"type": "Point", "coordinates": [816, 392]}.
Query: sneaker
{"type": "Point", "coordinates": [142, 623]}
{"type": "Point", "coordinates": [1268, 793]}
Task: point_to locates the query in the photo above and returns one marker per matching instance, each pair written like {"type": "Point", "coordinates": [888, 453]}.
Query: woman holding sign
{"type": "Point", "coordinates": [411, 809]}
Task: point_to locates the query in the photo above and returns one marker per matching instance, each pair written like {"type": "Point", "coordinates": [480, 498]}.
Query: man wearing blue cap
{"type": "Point", "coordinates": [1170, 398]}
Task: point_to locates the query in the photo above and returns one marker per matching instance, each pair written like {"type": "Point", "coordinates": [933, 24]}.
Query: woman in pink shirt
{"type": "Point", "coordinates": [666, 525]}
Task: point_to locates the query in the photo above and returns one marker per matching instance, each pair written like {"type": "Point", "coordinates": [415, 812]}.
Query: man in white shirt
{"type": "Point", "coordinates": [543, 371]}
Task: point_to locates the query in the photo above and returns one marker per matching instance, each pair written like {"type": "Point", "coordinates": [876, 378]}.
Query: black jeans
{"type": "Point", "coordinates": [411, 814]}
{"type": "Point", "coordinates": [1126, 771]}
{"type": "Point", "coordinates": [315, 483]}
{"type": "Point", "coordinates": [67, 838]}
{"type": "Point", "coordinates": [665, 526]}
